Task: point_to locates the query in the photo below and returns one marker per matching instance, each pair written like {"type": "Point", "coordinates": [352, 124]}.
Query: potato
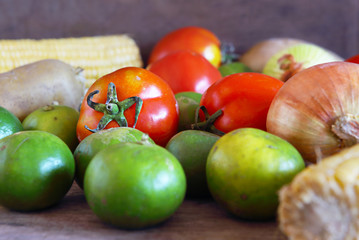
{"type": "Point", "coordinates": [31, 86]}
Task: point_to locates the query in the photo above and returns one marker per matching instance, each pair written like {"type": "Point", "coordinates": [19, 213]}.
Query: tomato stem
{"type": "Point", "coordinates": [207, 125]}
{"type": "Point", "coordinates": [113, 109]}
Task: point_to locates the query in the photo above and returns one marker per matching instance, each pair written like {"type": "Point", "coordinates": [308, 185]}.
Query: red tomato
{"type": "Point", "coordinates": [353, 59]}
{"type": "Point", "coordinates": [186, 71]}
{"type": "Point", "coordinates": [158, 116]}
{"type": "Point", "coordinates": [191, 38]}
{"type": "Point", "coordinates": [244, 99]}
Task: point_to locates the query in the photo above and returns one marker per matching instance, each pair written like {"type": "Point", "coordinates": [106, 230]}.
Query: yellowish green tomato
{"type": "Point", "coordinates": [56, 119]}
{"type": "Point", "coordinates": [246, 168]}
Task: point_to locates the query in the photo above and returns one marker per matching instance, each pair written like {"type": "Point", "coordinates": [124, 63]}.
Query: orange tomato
{"type": "Point", "coordinates": [196, 39]}
{"type": "Point", "coordinates": [158, 116]}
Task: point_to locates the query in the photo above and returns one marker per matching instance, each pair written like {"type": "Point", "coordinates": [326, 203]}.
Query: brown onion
{"type": "Point", "coordinates": [317, 110]}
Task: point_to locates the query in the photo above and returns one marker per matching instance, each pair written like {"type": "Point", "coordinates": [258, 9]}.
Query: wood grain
{"type": "Point", "coordinates": [73, 219]}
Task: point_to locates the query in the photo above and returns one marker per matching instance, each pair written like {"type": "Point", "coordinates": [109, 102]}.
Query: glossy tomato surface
{"type": "Point", "coordinates": [244, 99]}
{"type": "Point", "coordinates": [158, 116]}
{"type": "Point", "coordinates": [37, 170]}
{"type": "Point", "coordinates": [191, 38]}
{"type": "Point", "coordinates": [9, 123]}
{"type": "Point", "coordinates": [186, 71]}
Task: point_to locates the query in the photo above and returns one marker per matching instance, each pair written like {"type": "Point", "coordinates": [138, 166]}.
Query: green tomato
{"type": "Point", "coordinates": [9, 123]}
{"type": "Point", "coordinates": [132, 185]}
{"type": "Point", "coordinates": [191, 148]}
{"type": "Point", "coordinates": [188, 102]}
{"type": "Point", "coordinates": [56, 119]}
{"type": "Point", "coordinates": [246, 168]}
{"type": "Point", "coordinates": [192, 95]}
{"type": "Point", "coordinates": [234, 67]}
{"type": "Point", "coordinates": [95, 142]}
{"type": "Point", "coordinates": [36, 170]}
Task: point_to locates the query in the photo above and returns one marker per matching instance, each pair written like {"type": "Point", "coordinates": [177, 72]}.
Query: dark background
{"type": "Point", "coordinates": [332, 24]}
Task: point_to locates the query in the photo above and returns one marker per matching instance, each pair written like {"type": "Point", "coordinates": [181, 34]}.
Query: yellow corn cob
{"type": "Point", "coordinates": [322, 202]}
{"type": "Point", "coordinates": [97, 55]}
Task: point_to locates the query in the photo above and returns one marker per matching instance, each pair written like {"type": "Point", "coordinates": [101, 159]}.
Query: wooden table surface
{"type": "Point", "coordinates": [73, 219]}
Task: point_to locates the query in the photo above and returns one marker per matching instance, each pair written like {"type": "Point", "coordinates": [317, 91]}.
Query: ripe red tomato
{"type": "Point", "coordinates": [158, 116]}
{"type": "Point", "coordinates": [244, 99]}
{"type": "Point", "coordinates": [353, 59]}
{"type": "Point", "coordinates": [191, 38]}
{"type": "Point", "coordinates": [186, 71]}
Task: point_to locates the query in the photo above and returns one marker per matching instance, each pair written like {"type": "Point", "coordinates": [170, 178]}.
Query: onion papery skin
{"type": "Point", "coordinates": [307, 107]}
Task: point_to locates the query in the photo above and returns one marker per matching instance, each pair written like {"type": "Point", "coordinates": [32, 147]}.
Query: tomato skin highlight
{"type": "Point", "coordinates": [244, 99]}
{"type": "Point", "coordinates": [159, 114]}
{"type": "Point", "coordinates": [186, 71]}
{"type": "Point", "coordinates": [191, 38]}
{"type": "Point", "coordinates": [37, 170]}
{"type": "Point", "coordinates": [9, 123]}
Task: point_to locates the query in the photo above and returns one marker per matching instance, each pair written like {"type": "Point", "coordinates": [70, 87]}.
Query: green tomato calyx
{"type": "Point", "coordinates": [228, 53]}
{"type": "Point", "coordinates": [113, 109]}
{"type": "Point", "coordinates": [48, 107]}
{"type": "Point", "coordinates": [207, 124]}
